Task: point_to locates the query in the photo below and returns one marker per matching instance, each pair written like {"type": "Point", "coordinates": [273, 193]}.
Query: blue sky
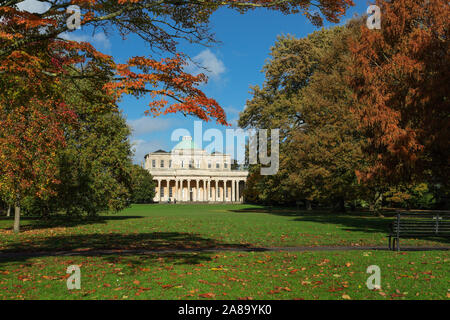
{"type": "Point", "coordinates": [235, 65]}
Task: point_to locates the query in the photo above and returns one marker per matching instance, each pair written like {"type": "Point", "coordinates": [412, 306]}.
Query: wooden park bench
{"type": "Point", "coordinates": [419, 225]}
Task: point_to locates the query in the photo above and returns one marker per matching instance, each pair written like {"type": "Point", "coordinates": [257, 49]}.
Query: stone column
{"type": "Point", "coordinates": [233, 196]}
{"type": "Point", "coordinates": [217, 190]}
{"type": "Point", "coordinates": [166, 192]}
{"type": "Point", "coordinates": [158, 191]}
{"type": "Point", "coordinates": [175, 190]}
{"type": "Point", "coordinates": [161, 187]}
{"type": "Point", "coordinates": [204, 190]}
{"type": "Point", "coordinates": [197, 191]}
{"type": "Point", "coordinates": [189, 190]}
{"type": "Point", "coordinates": [223, 190]}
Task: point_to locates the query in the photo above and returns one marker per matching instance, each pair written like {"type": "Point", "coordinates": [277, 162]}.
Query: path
{"type": "Point", "coordinates": [202, 250]}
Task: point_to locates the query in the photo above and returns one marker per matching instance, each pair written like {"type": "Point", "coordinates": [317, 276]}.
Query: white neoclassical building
{"type": "Point", "coordinates": [190, 174]}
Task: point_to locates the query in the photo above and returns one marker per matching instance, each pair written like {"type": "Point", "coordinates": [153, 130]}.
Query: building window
{"type": "Point", "coordinates": [225, 165]}
{"type": "Point", "coordinates": [210, 191]}
{"type": "Point", "coordinates": [182, 163]}
{"type": "Point", "coordinates": [191, 164]}
{"type": "Point", "coordinates": [170, 192]}
{"type": "Point", "coordinates": [218, 192]}
{"type": "Point", "coordinates": [226, 192]}
{"type": "Point", "coordinates": [217, 165]}
{"type": "Point", "coordinates": [162, 192]}
{"type": "Point", "coordinates": [209, 164]}
{"type": "Point", "coordinates": [153, 163]}
{"type": "Point", "coordinates": [162, 163]}
{"type": "Point", "coordinates": [198, 164]}
{"type": "Point", "coordinates": [170, 163]}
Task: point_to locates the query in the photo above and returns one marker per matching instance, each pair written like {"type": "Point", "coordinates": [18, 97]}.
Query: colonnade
{"type": "Point", "coordinates": [199, 190]}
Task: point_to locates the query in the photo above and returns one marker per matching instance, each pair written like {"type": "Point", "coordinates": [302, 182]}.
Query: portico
{"type": "Point", "coordinates": [194, 189]}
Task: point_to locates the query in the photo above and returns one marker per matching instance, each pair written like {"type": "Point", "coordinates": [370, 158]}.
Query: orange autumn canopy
{"type": "Point", "coordinates": [162, 24]}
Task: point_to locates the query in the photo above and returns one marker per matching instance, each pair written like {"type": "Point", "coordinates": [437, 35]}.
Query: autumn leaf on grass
{"type": "Point", "coordinates": [283, 288]}
{"type": "Point", "coordinates": [245, 298]}
{"type": "Point", "coordinates": [167, 286]}
{"type": "Point", "coordinates": [279, 289]}
{"type": "Point", "coordinates": [346, 297]}
{"type": "Point", "coordinates": [207, 295]}
{"type": "Point", "coordinates": [137, 282]}
{"type": "Point", "coordinates": [335, 289]}
{"type": "Point", "coordinates": [218, 269]}
{"type": "Point", "coordinates": [324, 261]}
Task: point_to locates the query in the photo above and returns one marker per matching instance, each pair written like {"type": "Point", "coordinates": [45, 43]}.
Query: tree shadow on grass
{"type": "Point", "coordinates": [146, 261]}
{"type": "Point", "coordinates": [294, 212]}
{"type": "Point", "coordinates": [350, 222]}
{"type": "Point", "coordinates": [36, 223]}
{"type": "Point", "coordinates": [156, 259]}
{"type": "Point", "coordinates": [90, 244]}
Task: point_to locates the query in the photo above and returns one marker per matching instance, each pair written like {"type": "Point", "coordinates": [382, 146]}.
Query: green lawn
{"type": "Point", "coordinates": [317, 275]}
{"type": "Point", "coordinates": [194, 226]}
{"type": "Point", "coordinates": [218, 275]}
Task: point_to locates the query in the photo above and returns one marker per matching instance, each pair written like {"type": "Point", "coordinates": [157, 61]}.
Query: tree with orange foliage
{"type": "Point", "coordinates": [32, 115]}
{"type": "Point", "coordinates": [401, 76]}
{"type": "Point", "coordinates": [161, 23]}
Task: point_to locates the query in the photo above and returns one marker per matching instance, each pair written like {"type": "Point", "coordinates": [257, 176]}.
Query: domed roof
{"type": "Point", "coordinates": [186, 144]}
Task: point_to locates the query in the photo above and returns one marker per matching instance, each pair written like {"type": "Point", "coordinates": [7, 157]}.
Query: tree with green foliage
{"type": "Point", "coordinates": [142, 185]}
{"type": "Point", "coordinates": [275, 104]}
{"type": "Point", "coordinates": [326, 149]}
{"type": "Point", "coordinates": [306, 94]}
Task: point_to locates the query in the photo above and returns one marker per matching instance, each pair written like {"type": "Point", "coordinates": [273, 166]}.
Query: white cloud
{"type": "Point", "coordinates": [141, 148]}
{"type": "Point", "coordinates": [147, 124]}
{"type": "Point", "coordinates": [233, 110]}
{"type": "Point", "coordinates": [207, 62]}
{"type": "Point", "coordinates": [34, 6]}
{"type": "Point", "coordinates": [98, 39]}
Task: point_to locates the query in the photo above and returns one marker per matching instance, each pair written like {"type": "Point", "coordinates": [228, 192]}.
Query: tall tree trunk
{"type": "Point", "coordinates": [17, 218]}
{"type": "Point", "coordinates": [308, 205]}
{"type": "Point", "coordinates": [340, 205]}
{"type": "Point", "coordinates": [353, 206]}
{"type": "Point", "coordinates": [375, 205]}
{"type": "Point", "coordinates": [8, 213]}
